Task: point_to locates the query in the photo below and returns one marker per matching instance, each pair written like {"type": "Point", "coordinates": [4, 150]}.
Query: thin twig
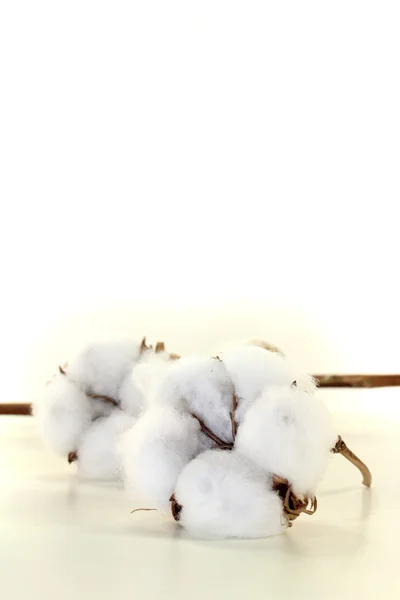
{"type": "Point", "coordinates": [358, 381]}
{"type": "Point", "coordinates": [341, 448]}
{"type": "Point", "coordinates": [16, 409]}
{"type": "Point", "coordinates": [139, 509]}
{"type": "Point", "coordinates": [334, 381]}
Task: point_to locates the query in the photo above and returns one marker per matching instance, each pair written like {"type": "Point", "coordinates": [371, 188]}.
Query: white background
{"type": "Point", "coordinates": [199, 171]}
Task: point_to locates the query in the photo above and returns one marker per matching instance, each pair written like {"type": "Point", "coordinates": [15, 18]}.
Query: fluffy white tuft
{"type": "Point", "coordinates": [149, 371]}
{"type": "Point", "coordinates": [252, 368]}
{"type": "Point", "coordinates": [62, 415]}
{"type": "Point", "coordinates": [138, 385]}
{"type": "Point", "coordinates": [162, 442]}
{"type": "Point", "coordinates": [200, 386]}
{"type": "Point", "coordinates": [101, 367]}
{"type": "Point", "coordinates": [130, 396]}
{"type": "Point", "coordinates": [224, 494]}
{"type": "Point", "coordinates": [289, 432]}
{"type": "Point", "coordinates": [99, 453]}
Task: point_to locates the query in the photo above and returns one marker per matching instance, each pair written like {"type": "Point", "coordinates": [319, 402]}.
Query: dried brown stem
{"type": "Point", "coordinates": [293, 506]}
{"type": "Point", "coordinates": [176, 508]}
{"type": "Point", "coordinates": [341, 448]}
{"type": "Point", "coordinates": [358, 381]}
{"type": "Point", "coordinates": [160, 347]}
{"type": "Point", "coordinates": [354, 381]}
{"type": "Point", "coordinates": [233, 417]}
{"type": "Point", "coordinates": [72, 456]}
{"type": "Point", "coordinates": [15, 409]}
{"type": "Point", "coordinates": [144, 347]}
{"type": "Point", "coordinates": [107, 399]}
{"type": "Point", "coordinates": [139, 509]}
{"type": "Point", "coordinates": [220, 443]}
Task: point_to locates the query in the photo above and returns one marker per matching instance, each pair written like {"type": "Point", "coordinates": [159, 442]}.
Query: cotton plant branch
{"type": "Point", "coordinates": [323, 381]}
{"type": "Point", "coordinates": [357, 381]}
{"type": "Point", "coordinates": [341, 448]}
{"type": "Point", "coordinates": [15, 409]}
{"type": "Point", "coordinates": [293, 505]}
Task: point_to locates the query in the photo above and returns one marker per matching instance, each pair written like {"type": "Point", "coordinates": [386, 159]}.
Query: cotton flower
{"type": "Point", "coordinates": [224, 494]}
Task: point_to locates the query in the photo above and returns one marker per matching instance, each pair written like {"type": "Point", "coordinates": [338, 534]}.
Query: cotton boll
{"type": "Point", "coordinates": [99, 453]}
{"type": "Point", "coordinates": [224, 494]}
{"type": "Point", "coordinates": [102, 366]}
{"type": "Point", "coordinates": [62, 415]}
{"type": "Point", "coordinates": [162, 442]}
{"type": "Point", "coordinates": [200, 386]}
{"type": "Point", "coordinates": [252, 368]}
{"type": "Point", "coordinates": [289, 432]}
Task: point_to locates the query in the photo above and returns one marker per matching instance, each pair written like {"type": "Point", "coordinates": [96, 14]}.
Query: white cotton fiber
{"type": "Point", "coordinates": [252, 368]}
{"type": "Point", "coordinates": [101, 367]}
{"type": "Point", "coordinates": [162, 442]}
{"type": "Point", "coordinates": [62, 414]}
{"type": "Point", "coordinates": [130, 397]}
{"type": "Point", "coordinates": [289, 432]}
{"type": "Point", "coordinates": [224, 494]}
{"type": "Point", "coordinates": [99, 452]}
{"type": "Point", "coordinates": [200, 386]}
{"type": "Point", "coordinates": [138, 385]}
{"type": "Point", "coordinates": [149, 371]}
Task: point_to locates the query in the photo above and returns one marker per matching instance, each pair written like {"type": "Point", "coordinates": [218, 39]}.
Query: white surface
{"type": "Point", "coordinates": [61, 539]}
{"type": "Point", "coordinates": [214, 167]}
